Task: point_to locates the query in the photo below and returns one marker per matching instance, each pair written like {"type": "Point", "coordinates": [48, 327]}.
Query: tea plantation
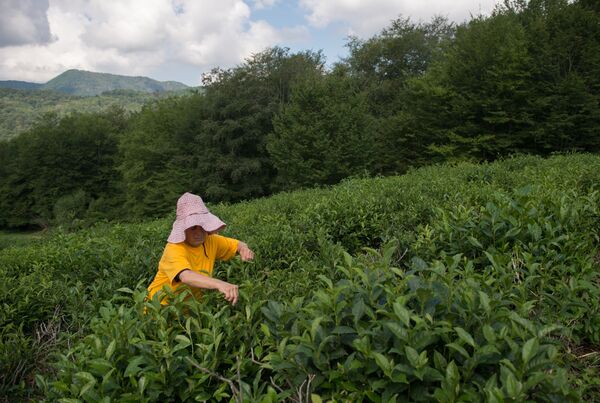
{"type": "Point", "coordinates": [452, 283]}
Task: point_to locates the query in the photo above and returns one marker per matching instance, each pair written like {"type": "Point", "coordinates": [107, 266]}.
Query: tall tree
{"type": "Point", "coordinates": [323, 135]}
{"type": "Point", "coordinates": [384, 65]}
{"type": "Point", "coordinates": [57, 158]}
{"type": "Point", "coordinates": [213, 142]}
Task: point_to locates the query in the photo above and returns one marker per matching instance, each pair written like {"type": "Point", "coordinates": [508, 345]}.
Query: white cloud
{"type": "Point", "coordinates": [135, 37]}
{"type": "Point", "coordinates": [130, 26]}
{"type": "Point", "coordinates": [367, 18]}
{"type": "Point", "coordinates": [262, 4]}
{"type": "Point", "coordinates": [24, 22]}
{"type": "Point", "coordinates": [40, 39]}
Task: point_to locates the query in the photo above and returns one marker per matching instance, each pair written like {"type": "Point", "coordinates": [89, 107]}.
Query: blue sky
{"type": "Point", "coordinates": [179, 40]}
{"type": "Point", "coordinates": [330, 39]}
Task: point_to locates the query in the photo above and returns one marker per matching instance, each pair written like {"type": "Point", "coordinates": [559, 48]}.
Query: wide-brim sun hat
{"type": "Point", "coordinates": [191, 211]}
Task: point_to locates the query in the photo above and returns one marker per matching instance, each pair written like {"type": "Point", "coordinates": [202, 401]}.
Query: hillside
{"type": "Point", "coordinates": [86, 83]}
{"type": "Point", "coordinates": [20, 109]}
{"type": "Point", "coordinates": [20, 85]}
{"type": "Point", "coordinates": [458, 282]}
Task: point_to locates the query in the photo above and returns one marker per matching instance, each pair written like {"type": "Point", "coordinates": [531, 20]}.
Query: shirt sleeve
{"type": "Point", "coordinates": [226, 247]}
{"type": "Point", "coordinates": [174, 261]}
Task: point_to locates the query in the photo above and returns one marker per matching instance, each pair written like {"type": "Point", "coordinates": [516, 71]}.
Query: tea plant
{"type": "Point", "coordinates": [467, 282]}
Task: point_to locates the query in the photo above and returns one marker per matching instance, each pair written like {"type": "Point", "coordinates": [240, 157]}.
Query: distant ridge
{"type": "Point", "coordinates": [20, 85]}
{"type": "Point", "coordinates": [87, 83]}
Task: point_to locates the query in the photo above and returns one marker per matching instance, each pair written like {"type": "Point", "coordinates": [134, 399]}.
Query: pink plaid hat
{"type": "Point", "coordinates": [192, 211]}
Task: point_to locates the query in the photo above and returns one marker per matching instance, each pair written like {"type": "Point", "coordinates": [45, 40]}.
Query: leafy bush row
{"type": "Point", "coordinates": [463, 235]}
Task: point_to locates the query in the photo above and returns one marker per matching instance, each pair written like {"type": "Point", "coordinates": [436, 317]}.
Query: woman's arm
{"type": "Point", "coordinates": [193, 279]}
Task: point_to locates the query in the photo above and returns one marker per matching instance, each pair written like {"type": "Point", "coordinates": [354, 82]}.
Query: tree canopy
{"type": "Point", "coordinates": [525, 79]}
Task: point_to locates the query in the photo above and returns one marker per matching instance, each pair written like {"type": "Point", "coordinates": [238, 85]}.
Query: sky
{"type": "Point", "coordinates": [179, 40]}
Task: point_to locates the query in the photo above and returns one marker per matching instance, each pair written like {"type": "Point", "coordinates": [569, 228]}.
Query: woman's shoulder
{"type": "Point", "coordinates": [174, 248]}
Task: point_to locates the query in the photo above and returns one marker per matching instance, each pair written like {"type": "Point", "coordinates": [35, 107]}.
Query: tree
{"type": "Point", "coordinates": [323, 135]}
{"type": "Point", "coordinates": [213, 142]}
{"type": "Point", "coordinates": [57, 158]}
{"type": "Point", "coordinates": [384, 65]}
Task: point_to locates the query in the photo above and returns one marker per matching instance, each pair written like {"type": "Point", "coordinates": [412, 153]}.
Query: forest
{"type": "Point", "coordinates": [524, 80]}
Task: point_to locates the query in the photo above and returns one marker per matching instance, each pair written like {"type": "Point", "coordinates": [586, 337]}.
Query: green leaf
{"type": "Point", "coordinates": [523, 322]}
{"type": "Point", "coordinates": [491, 258]}
{"type": "Point", "coordinates": [91, 381]}
{"type": "Point", "coordinates": [489, 334]}
{"type": "Point", "coordinates": [548, 329]}
{"type": "Point", "coordinates": [125, 290]}
{"type": "Point", "coordinates": [459, 349]}
{"type": "Point", "coordinates": [439, 361]}
{"type": "Point", "coordinates": [110, 349]}
{"type": "Point", "coordinates": [530, 349]}
{"type": "Point", "coordinates": [358, 309]}
{"type": "Point", "coordinates": [412, 355]}
{"type": "Point", "coordinates": [134, 366]}
{"type": "Point", "coordinates": [315, 398]}
{"type": "Point", "coordinates": [513, 387]}
{"type": "Point", "coordinates": [383, 363]}
{"type": "Point", "coordinates": [402, 313]}
{"type": "Point", "coordinates": [452, 374]}
{"type": "Point", "coordinates": [464, 336]}
{"type": "Point", "coordinates": [183, 339]}
{"type": "Point", "coordinates": [142, 385]}
{"type": "Point", "coordinates": [326, 280]}
{"type": "Point", "coordinates": [314, 327]}
{"type": "Point", "coordinates": [343, 330]}
{"type": "Point", "coordinates": [494, 395]}
{"type": "Point", "coordinates": [484, 301]}
{"type": "Point", "coordinates": [399, 331]}
{"type": "Point", "coordinates": [100, 365]}
{"type": "Point", "coordinates": [265, 329]}
{"type": "Point", "coordinates": [475, 242]}
{"type": "Point", "coordinates": [347, 259]}
{"type": "Point", "coordinates": [188, 325]}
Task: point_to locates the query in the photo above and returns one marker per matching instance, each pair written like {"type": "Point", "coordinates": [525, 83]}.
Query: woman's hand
{"type": "Point", "coordinates": [230, 291]}
{"type": "Point", "coordinates": [245, 252]}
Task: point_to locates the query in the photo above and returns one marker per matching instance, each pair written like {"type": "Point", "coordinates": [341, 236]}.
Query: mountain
{"type": "Point", "coordinates": [20, 85]}
{"type": "Point", "coordinates": [23, 103]}
{"type": "Point", "coordinates": [87, 83]}
{"type": "Point", "coordinates": [21, 109]}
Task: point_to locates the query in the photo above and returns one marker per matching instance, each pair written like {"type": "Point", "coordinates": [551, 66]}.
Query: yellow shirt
{"type": "Point", "coordinates": [179, 256]}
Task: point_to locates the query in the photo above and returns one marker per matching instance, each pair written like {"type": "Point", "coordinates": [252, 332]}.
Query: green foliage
{"type": "Point", "coordinates": [212, 143]}
{"type": "Point", "coordinates": [325, 134]}
{"type": "Point", "coordinates": [383, 334]}
{"type": "Point", "coordinates": [40, 171]}
{"type": "Point", "coordinates": [21, 110]}
{"type": "Point", "coordinates": [70, 209]}
{"type": "Point", "coordinates": [467, 282]}
{"type": "Point", "coordinates": [516, 81]}
{"type": "Point", "coordinates": [17, 239]}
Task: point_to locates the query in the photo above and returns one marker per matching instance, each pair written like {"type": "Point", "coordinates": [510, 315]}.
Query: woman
{"type": "Point", "coordinates": [192, 249]}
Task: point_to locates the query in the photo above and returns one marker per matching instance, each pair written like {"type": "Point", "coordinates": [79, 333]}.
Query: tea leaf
{"type": "Point", "coordinates": [529, 349]}
{"type": "Point", "coordinates": [464, 336]}
{"type": "Point", "coordinates": [110, 349]}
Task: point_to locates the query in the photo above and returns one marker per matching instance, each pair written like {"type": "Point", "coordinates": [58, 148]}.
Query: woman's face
{"type": "Point", "coordinates": [195, 236]}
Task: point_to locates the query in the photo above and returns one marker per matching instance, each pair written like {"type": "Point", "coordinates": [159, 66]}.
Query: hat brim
{"type": "Point", "coordinates": [209, 222]}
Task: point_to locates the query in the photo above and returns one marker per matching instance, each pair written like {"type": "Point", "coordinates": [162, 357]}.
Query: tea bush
{"type": "Point", "coordinates": [467, 282]}
{"type": "Point", "coordinates": [382, 335]}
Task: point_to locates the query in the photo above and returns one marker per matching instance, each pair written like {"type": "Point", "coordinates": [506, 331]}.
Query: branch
{"type": "Point", "coordinates": [235, 391]}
